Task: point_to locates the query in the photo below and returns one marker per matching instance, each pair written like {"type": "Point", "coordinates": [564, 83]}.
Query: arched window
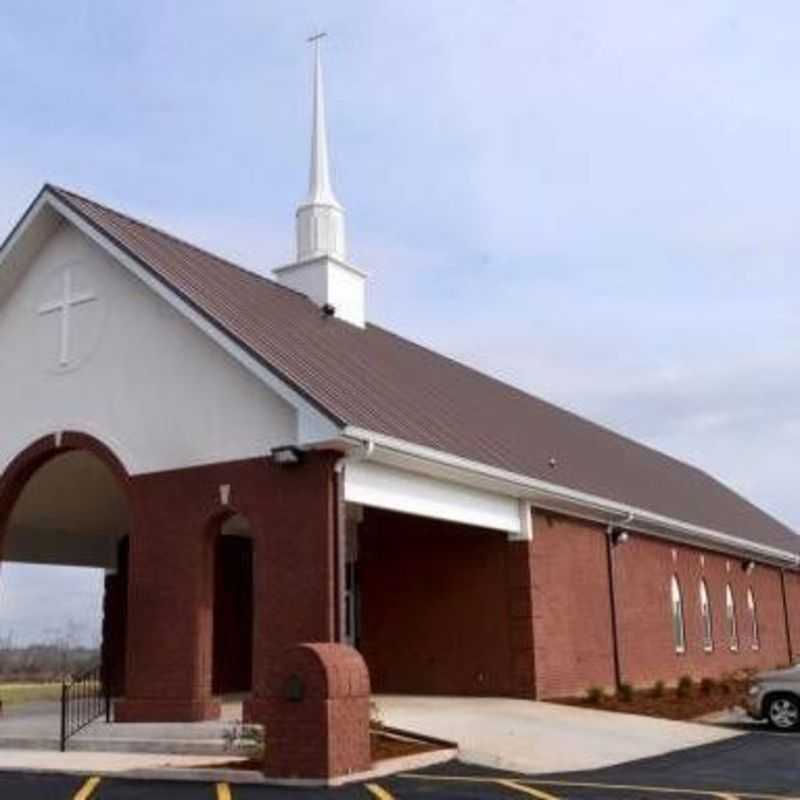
{"type": "Point", "coordinates": [678, 627]}
{"type": "Point", "coordinates": [705, 613]}
{"type": "Point", "coordinates": [751, 607]}
{"type": "Point", "coordinates": [730, 616]}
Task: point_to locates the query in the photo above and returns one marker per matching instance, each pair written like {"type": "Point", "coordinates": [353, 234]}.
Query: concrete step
{"type": "Point", "coordinates": [89, 744]}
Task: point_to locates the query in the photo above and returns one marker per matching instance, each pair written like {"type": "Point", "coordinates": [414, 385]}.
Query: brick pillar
{"type": "Point", "coordinates": [170, 602]}
{"type": "Point", "coordinates": [519, 584]}
{"type": "Point", "coordinates": [318, 707]}
{"type": "Point", "coordinates": [294, 569]}
{"type": "Point", "coordinates": [115, 624]}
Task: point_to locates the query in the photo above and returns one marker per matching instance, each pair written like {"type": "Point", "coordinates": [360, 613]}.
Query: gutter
{"type": "Point", "coordinates": [554, 497]}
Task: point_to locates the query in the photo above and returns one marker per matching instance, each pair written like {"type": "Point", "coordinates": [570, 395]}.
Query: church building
{"type": "Point", "coordinates": [255, 464]}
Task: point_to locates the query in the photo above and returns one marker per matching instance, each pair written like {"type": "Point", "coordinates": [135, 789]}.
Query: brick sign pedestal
{"type": "Point", "coordinates": [317, 713]}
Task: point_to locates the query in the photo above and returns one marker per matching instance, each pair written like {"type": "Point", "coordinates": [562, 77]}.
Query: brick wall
{"type": "Point", "coordinates": [434, 606]}
{"type": "Point", "coordinates": [171, 596]}
{"type": "Point", "coordinates": [793, 602]}
{"type": "Point", "coordinates": [571, 603]}
{"type": "Point", "coordinates": [572, 612]}
{"type": "Point", "coordinates": [644, 568]}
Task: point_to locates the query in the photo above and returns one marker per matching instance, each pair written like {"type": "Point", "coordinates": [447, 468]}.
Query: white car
{"type": "Point", "coordinates": [775, 697]}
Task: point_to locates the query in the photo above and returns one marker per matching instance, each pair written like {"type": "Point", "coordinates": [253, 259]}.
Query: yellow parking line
{"type": "Point", "coordinates": [379, 792]}
{"type": "Point", "coordinates": [518, 787]}
{"type": "Point", "coordinates": [223, 791]}
{"type": "Point", "coordinates": [623, 787]}
{"type": "Point", "coordinates": [88, 789]}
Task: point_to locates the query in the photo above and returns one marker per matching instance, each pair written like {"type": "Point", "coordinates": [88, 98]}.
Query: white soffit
{"type": "Point", "coordinates": [372, 484]}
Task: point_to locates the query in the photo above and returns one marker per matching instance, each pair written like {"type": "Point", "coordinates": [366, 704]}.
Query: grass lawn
{"type": "Point", "coordinates": [14, 693]}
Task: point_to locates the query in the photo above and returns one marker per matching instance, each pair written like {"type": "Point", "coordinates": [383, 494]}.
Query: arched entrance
{"type": "Point", "coordinates": [64, 502]}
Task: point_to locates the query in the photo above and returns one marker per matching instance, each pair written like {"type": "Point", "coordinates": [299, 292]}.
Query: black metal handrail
{"type": "Point", "coordinates": [84, 698]}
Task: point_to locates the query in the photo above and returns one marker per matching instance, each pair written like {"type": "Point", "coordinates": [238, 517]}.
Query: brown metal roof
{"type": "Point", "coordinates": [378, 381]}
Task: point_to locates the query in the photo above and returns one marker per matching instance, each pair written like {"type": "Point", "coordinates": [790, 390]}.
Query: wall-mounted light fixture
{"type": "Point", "coordinates": [617, 535]}
{"type": "Point", "coordinates": [620, 536]}
{"type": "Point", "coordinates": [287, 456]}
{"type": "Point", "coordinates": [749, 567]}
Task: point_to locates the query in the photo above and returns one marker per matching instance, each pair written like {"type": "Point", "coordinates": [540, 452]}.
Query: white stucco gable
{"type": "Point", "coordinates": [87, 345]}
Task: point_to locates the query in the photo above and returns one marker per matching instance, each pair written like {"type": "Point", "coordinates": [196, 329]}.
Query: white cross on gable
{"type": "Point", "coordinates": [64, 306]}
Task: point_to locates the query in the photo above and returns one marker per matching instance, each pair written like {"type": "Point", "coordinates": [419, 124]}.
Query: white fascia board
{"type": "Point", "coordinates": [311, 419]}
{"type": "Point", "coordinates": [544, 494]}
{"type": "Point", "coordinates": [23, 231]}
{"type": "Point", "coordinates": [22, 226]}
{"type": "Point", "coordinates": [369, 483]}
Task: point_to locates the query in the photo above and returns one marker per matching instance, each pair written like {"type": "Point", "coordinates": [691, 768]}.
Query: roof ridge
{"type": "Point", "coordinates": [172, 237]}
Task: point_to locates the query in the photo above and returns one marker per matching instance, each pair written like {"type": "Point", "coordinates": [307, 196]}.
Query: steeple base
{"type": "Point", "coordinates": [330, 283]}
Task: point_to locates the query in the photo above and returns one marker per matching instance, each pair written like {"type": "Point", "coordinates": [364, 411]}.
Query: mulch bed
{"type": "Point", "coordinates": [671, 704]}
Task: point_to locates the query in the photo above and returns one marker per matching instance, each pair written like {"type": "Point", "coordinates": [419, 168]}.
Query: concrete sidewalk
{"type": "Point", "coordinates": [528, 736]}
{"type": "Point", "coordinates": [36, 726]}
{"type": "Point", "coordinates": [103, 763]}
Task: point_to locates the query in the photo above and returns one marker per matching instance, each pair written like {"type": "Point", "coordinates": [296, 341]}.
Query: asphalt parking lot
{"type": "Point", "coordinates": [758, 766]}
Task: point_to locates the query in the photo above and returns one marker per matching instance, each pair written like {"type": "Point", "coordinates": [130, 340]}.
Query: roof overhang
{"type": "Point", "coordinates": [560, 499]}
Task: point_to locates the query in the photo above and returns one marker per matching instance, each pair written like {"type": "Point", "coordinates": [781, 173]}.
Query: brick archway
{"type": "Point", "coordinates": [22, 473]}
{"type": "Point", "coordinates": [22, 468]}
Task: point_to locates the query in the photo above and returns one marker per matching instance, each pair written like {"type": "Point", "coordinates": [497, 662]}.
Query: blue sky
{"type": "Point", "coordinates": [594, 201]}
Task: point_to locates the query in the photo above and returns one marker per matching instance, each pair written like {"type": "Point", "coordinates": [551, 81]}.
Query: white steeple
{"type": "Point", "coordinates": [320, 219]}
{"type": "Point", "coordinates": [321, 270]}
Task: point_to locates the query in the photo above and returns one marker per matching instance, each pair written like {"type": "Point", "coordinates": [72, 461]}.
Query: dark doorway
{"type": "Point", "coordinates": [233, 608]}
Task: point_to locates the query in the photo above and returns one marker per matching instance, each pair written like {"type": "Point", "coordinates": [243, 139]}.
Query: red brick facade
{"type": "Point", "coordinates": [792, 585]}
{"type": "Point", "coordinates": [572, 602]}
{"type": "Point", "coordinates": [434, 606]}
{"type": "Point", "coordinates": [572, 609]}
{"type": "Point", "coordinates": [444, 608]}
{"type": "Point", "coordinates": [291, 512]}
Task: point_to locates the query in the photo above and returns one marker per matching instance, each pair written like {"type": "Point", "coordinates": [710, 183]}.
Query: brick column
{"type": "Point", "coordinates": [170, 602]}
{"type": "Point", "coordinates": [519, 585]}
{"type": "Point", "coordinates": [115, 623]}
{"type": "Point", "coordinates": [294, 569]}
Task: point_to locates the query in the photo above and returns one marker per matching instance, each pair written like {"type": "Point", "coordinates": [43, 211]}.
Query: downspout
{"type": "Point", "coordinates": [612, 589]}
{"type": "Point", "coordinates": [363, 453]}
{"type": "Point", "coordinates": [786, 618]}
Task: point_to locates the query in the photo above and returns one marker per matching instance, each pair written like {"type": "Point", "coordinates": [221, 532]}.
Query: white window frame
{"type": "Point", "coordinates": [730, 618]}
{"type": "Point", "coordinates": [752, 607]}
{"type": "Point", "coordinates": [678, 619]}
{"type": "Point", "coordinates": [706, 617]}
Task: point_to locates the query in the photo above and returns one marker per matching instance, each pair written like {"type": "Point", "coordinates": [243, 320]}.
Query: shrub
{"type": "Point", "coordinates": [685, 686]}
{"type": "Point", "coordinates": [595, 695]}
{"type": "Point", "coordinates": [707, 686]}
{"type": "Point", "coordinates": [625, 692]}
{"type": "Point", "coordinates": [659, 687]}
{"type": "Point", "coordinates": [243, 737]}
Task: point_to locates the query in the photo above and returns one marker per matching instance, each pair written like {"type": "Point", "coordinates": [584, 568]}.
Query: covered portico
{"type": "Point", "coordinates": [172, 522]}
